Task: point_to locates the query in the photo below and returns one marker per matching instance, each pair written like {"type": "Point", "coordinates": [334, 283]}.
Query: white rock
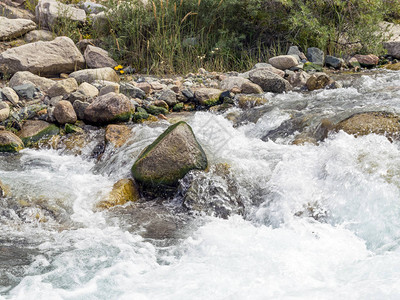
{"type": "Point", "coordinates": [58, 56]}
{"type": "Point", "coordinates": [12, 28]}
{"type": "Point", "coordinates": [49, 11]}
{"type": "Point", "coordinates": [10, 95]}
{"type": "Point", "coordinates": [91, 75]}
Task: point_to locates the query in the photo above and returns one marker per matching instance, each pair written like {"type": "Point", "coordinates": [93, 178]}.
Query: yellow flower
{"type": "Point", "coordinates": [118, 67]}
{"type": "Point", "coordinates": [122, 72]}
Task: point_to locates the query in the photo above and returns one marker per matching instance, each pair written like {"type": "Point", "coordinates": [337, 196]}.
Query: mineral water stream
{"type": "Point", "coordinates": [316, 222]}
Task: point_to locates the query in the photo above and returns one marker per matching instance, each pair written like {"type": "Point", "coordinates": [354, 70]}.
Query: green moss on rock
{"type": "Point", "coordinates": [156, 110]}
{"type": "Point", "coordinates": [169, 158]}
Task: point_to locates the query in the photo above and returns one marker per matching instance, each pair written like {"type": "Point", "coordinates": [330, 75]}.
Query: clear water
{"type": "Point", "coordinates": [319, 222]}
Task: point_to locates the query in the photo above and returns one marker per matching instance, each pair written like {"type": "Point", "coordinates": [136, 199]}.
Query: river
{"type": "Point", "coordinates": [301, 221]}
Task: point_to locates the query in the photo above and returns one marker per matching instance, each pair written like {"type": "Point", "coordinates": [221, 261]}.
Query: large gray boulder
{"type": "Point", "coordinates": [91, 75]}
{"type": "Point", "coordinates": [109, 108]}
{"type": "Point", "coordinates": [391, 34]}
{"type": "Point", "coordinates": [48, 12]}
{"type": "Point", "coordinates": [12, 28]}
{"type": "Point", "coordinates": [44, 58]}
{"type": "Point", "coordinates": [19, 78]}
{"type": "Point", "coordinates": [169, 158]}
{"type": "Point", "coordinates": [98, 58]}
{"type": "Point", "coordinates": [269, 81]}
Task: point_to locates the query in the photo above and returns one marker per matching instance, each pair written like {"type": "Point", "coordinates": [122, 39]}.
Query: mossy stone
{"type": "Point", "coordinates": [309, 66]}
{"type": "Point", "coordinates": [123, 191]}
{"type": "Point", "coordinates": [9, 142]}
{"type": "Point", "coordinates": [70, 128]}
{"type": "Point", "coordinates": [169, 158]}
{"type": "Point", "coordinates": [156, 110]}
{"type": "Point", "coordinates": [35, 130]}
{"type": "Point", "coordinates": [178, 107]}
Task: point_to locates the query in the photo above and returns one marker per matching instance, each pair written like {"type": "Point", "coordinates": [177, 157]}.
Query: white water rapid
{"type": "Point", "coordinates": [315, 221]}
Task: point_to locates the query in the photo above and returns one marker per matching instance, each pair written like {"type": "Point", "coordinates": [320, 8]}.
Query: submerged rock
{"type": "Point", "coordinates": [169, 158]}
{"type": "Point", "coordinates": [215, 193]}
{"type": "Point", "coordinates": [123, 191]}
{"type": "Point", "coordinates": [117, 135]}
{"type": "Point", "coordinates": [34, 130]}
{"type": "Point", "coordinates": [381, 122]}
{"type": "Point", "coordinates": [9, 142]}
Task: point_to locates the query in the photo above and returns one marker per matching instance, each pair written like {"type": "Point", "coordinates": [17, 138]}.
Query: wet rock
{"type": "Point", "coordinates": [318, 81]}
{"type": "Point", "coordinates": [98, 58]}
{"type": "Point", "coordinates": [123, 191]}
{"type": "Point", "coordinates": [12, 28]}
{"type": "Point", "coordinates": [246, 102]}
{"type": "Point", "coordinates": [207, 96]}
{"type": "Point", "coordinates": [214, 193]}
{"type": "Point", "coordinates": [353, 63]}
{"type": "Point", "coordinates": [169, 97]}
{"type": "Point", "coordinates": [384, 123]}
{"type": "Point", "coordinates": [170, 157]}
{"type": "Point", "coordinates": [283, 62]}
{"type": "Point", "coordinates": [91, 75]}
{"type": "Point", "coordinates": [10, 95]}
{"type": "Point", "coordinates": [71, 128]}
{"type": "Point", "coordinates": [4, 189]}
{"type": "Point", "coordinates": [298, 79]}
{"type": "Point", "coordinates": [63, 87]}
{"type": "Point", "coordinates": [21, 77]}
{"type": "Point", "coordinates": [161, 103]}
{"type": "Point", "coordinates": [4, 111]}
{"type": "Point", "coordinates": [57, 56]}
{"type": "Point", "coordinates": [269, 81]}
{"type": "Point", "coordinates": [117, 135]}
{"type": "Point", "coordinates": [25, 91]}
{"type": "Point", "coordinates": [38, 35]}
{"type": "Point", "coordinates": [48, 12]}
{"type": "Point", "coordinates": [156, 110]}
{"type": "Point", "coordinates": [367, 61]}
{"type": "Point", "coordinates": [64, 112]}
{"type": "Point", "coordinates": [311, 67]}
{"type": "Point", "coordinates": [334, 62]}
{"type": "Point", "coordinates": [315, 56]}
{"type": "Point", "coordinates": [393, 67]}
{"type": "Point", "coordinates": [9, 142]}
{"type": "Point", "coordinates": [251, 88]}
{"type": "Point", "coordinates": [34, 130]}
{"type": "Point", "coordinates": [132, 91]}
{"type": "Point", "coordinates": [80, 107]}
{"type": "Point", "coordinates": [109, 108]}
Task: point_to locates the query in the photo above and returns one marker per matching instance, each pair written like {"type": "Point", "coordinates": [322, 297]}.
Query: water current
{"type": "Point", "coordinates": [300, 221]}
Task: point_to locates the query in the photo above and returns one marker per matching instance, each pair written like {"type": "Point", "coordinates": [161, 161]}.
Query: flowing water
{"type": "Point", "coordinates": [300, 222]}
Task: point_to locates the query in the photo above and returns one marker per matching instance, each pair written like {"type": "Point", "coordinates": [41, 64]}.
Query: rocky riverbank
{"type": "Point", "coordinates": [55, 93]}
